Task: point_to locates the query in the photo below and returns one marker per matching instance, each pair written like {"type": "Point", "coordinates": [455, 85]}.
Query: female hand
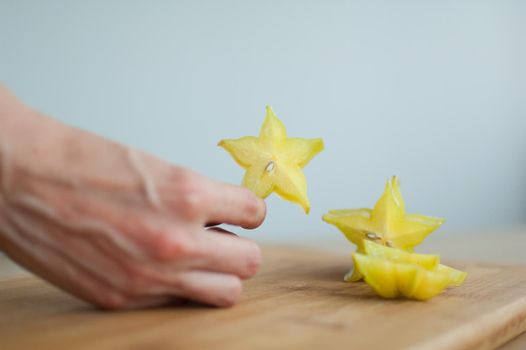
{"type": "Point", "coordinates": [113, 225]}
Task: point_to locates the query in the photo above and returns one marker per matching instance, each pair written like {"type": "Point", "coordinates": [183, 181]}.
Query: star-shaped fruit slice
{"type": "Point", "coordinates": [393, 273]}
{"type": "Point", "coordinates": [427, 261]}
{"type": "Point", "coordinates": [387, 224]}
{"type": "Point", "coordinates": [273, 161]}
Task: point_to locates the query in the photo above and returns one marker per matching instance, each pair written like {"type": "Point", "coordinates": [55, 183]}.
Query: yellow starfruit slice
{"type": "Point", "coordinates": [456, 277]}
{"type": "Point", "coordinates": [386, 224]}
{"type": "Point", "coordinates": [392, 279]}
{"type": "Point", "coordinates": [427, 261]}
{"type": "Point", "coordinates": [273, 161]}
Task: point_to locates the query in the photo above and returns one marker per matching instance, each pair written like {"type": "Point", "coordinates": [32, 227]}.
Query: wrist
{"type": "Point", "coordinates": [27, 138]}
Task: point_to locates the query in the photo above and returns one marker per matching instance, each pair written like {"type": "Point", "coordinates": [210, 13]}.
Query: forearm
{"type": "Point", "coordinates": [26, 136]}
{"type": "Point", "coordinates": [15, 120]}
{"type": "Point", "coordinates": [18, 122]}
{"type": "Point", "coordinates": [28, 139]}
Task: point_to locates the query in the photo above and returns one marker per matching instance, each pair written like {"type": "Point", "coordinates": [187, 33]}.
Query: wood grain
{"type": "Point", "coordinates": [297, 301]}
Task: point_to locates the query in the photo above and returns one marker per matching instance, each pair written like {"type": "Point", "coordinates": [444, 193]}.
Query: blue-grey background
{"type": "Point", "coordinates": [433, 91]}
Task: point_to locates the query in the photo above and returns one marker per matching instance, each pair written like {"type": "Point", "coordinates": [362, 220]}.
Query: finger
{"type": "Point", "coordinates": [235, 205]}
{"type": "Point", "coordinates": [212, 288]}
{"type": "Point", "coordinates": [227, 253]}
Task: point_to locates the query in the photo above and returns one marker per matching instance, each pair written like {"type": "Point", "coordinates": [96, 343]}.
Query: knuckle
{"type": "Point", "coordinates": [168, 246]}
{"type": "Point", "coordinates": [192, 198]}
{"type": "Point", "coordinates": [183, 191]}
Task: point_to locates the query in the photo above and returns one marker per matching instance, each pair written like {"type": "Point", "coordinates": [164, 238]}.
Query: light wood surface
{"type": "Point", "coordinates": [297, 301]}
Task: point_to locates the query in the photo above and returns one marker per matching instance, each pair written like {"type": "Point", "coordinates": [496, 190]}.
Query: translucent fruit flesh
{"type": "Point", "coordinates": [274, 162]}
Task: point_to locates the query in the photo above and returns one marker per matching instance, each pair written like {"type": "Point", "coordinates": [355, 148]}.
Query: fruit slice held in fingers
{"type": "Point", "coordinates": [273, 161]}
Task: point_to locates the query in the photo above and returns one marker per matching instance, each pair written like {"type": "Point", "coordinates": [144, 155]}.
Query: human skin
{"type": "Point", "coordinates": [115, 226]}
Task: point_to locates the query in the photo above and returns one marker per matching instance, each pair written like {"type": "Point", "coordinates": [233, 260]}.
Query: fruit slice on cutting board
{"type": "Point", "coordinates": [394, 273]}
{"type": "Point", "coordinates": [427, 261]}
{"type": "Point", "coordinates": [387, 224]}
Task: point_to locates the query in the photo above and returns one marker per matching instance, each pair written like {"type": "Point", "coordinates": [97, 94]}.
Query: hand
{"type": "Point", "coordinates": [115, 226]}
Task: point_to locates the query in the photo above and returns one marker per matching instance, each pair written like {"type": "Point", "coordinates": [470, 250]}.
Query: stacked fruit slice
{"type": "Point", "coordinates": [385, 237]}
{"type": "Point", "coordinates": [393, 272]}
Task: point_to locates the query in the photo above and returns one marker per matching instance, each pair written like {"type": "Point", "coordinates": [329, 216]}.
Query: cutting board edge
{"type": "Point", "coordinates": [501, 326]}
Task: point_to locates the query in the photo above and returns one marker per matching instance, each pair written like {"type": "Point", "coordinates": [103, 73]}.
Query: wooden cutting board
{"type": "Point", "coordinates": [298, 301]}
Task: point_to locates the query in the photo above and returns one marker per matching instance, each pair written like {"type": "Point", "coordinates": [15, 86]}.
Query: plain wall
{"type": "Point", "coordinates": [433, 91]}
